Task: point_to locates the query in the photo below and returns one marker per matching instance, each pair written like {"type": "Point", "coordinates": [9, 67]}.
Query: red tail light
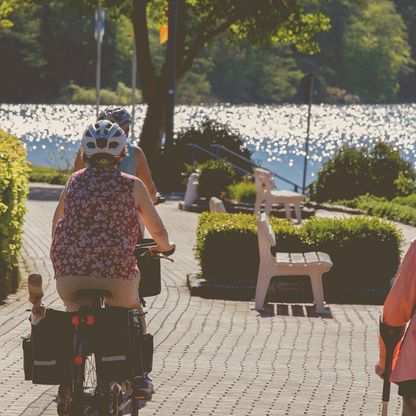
{"type": "Point", "coordinates": [90, 320]}
{"type": "Point", "coordinates": [75, 320]}
{"type": "Point", "coordinates": [78, 360]}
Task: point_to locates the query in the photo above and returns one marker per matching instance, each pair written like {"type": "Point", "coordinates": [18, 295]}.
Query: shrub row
{"type": "Point", "coordinates": [365, 251]}
{"type": "Point", "coordinates": [13, 191]}
{"type": "Point", "coordinates": [395, 210]}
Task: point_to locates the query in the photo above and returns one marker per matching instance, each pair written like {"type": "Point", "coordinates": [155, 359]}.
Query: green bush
{"type": "Point", "coordinates": [409, 200]}
{"type": "Point", "coordinates": [13, 192]}
{"type": "Point", "coordinates": [214, 177]}
{"type": "Point", "coordinates": [244, 191]}
{"type": "Point", "coordinates": [353, 172]}
{"type": "Point", "coordinates": [175, 159]}
{"type": "Point", "coordinates": [365, 251]}
{"type": "Point", "coordinates": [75, 94]}
{"type": "Point", "coordinates": [48, 175]}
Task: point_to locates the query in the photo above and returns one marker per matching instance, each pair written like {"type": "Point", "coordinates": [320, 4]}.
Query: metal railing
{"type": "Point", "coordinates": [213, 155]}
{"type": "Point", "coordinates": [219, 147]}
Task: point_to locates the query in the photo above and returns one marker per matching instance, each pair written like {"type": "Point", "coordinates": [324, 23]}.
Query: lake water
{"type": "Point", "coordinates": [275, 134]}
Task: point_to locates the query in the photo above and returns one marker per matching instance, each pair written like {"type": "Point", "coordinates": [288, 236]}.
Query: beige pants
{"type": "Point", "coordinates": [122, 293]}
{"type": "Point", "coordinates": [409, 406]}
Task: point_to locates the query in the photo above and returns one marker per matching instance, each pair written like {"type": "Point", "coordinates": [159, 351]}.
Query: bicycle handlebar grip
{"type": "Point", "coordinates": [169, 252]}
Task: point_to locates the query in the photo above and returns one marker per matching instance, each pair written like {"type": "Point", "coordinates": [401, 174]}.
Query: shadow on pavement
{"type": "Point", "coordinates": [38, 193]}
{"type": "Point", "coordinates": [306, 311]}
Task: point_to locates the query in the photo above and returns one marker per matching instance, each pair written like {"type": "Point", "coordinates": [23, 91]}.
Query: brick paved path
{"type": "Point", "coordinates": [213, 357]}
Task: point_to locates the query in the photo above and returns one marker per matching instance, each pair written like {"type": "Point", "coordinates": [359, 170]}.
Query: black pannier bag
{"type": "Point", "coordinates": [149, 266]}
{"type": "Point", "coordinates": [51, 349]}
{"type": "Point", "coordinates": [147, 353]}
{"type": "Point", "coordinates": [111, 343]}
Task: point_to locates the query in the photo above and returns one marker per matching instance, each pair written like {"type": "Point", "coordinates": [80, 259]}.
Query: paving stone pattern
{"type": "Point", "coordinates": [213, 357]}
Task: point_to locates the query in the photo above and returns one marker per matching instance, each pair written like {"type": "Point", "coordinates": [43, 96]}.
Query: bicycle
{"type": "Point", "coordinates": [103, 379]}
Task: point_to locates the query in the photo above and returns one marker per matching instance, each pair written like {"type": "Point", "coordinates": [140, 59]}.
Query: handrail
{"type": "Point", "coordinates": [193, 145]}
{"type": "Point", "coordinates": [219, 146]}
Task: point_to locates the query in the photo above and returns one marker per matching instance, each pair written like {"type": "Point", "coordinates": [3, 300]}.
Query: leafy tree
{"type": "Point", "coordinates": [407, 10]}
{"type": "Point", "coordinates": [376, 52]}
{"type": "Point", "coordinates": [8, 8]}
{"type": "Point", "coordinates": [245, 74]}
{"type": "Point", "coordinates": [200, 21]}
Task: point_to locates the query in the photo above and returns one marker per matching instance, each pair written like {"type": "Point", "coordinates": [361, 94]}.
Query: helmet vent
{"type": "Point", "coordinates": [91, 145]}
{"type": "Point", "coordinates": [101, 143]}
{"type": "Point", "coordinates": [113, 145]}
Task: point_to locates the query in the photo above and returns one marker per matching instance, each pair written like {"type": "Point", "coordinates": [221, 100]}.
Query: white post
{"type": "Point", "coordinates": [98, 34]}
{"type": "Point", "coordinates": [133, 88]}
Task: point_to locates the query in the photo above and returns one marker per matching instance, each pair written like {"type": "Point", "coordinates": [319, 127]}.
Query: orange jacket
{"type": "Point", "coordinates": [398, 309]}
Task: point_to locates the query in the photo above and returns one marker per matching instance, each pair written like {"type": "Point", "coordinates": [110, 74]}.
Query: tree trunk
{"type": "Point", "coordinates": [154, 122]}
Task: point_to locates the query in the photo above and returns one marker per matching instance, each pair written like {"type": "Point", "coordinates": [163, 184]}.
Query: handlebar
{"type": "Point", "coordinates": [143, 250]}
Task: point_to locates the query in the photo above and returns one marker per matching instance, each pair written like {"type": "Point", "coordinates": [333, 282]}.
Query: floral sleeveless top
{"type": "Point", "coordinates": [100, 228]}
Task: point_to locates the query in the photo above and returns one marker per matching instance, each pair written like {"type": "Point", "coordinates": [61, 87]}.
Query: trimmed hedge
{"type": "Point", "coordinates": [14, 172]}
{"type": "Point", "coordinates": [365, 251]}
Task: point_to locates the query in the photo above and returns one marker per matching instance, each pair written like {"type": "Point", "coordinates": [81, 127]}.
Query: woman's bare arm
{"type": "Point", "coordinates": [59, 211]}
{"type": "Point", "coordinates": [150, 217]}
{"type": "Point", "coordinates": [79, 161]}
{"type": "Point", "coordinates": [143, 173]}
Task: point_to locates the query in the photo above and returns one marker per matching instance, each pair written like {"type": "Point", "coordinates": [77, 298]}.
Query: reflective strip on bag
{"type": "Point", "coordinates": [44, 363]}
{"type": "Point", "coordinates": [114, 358]}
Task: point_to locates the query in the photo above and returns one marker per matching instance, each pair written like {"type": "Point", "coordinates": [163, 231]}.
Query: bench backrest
{"type": "Point", "coordinates": [264, 185]}
{"type": "Point", "coordinates": [265, 235]}
{"type": "Point", "coordinates": [264, 179]}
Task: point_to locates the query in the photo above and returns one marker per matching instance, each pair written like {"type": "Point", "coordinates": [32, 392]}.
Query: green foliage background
{"type": "Point", "coordinates": [368, 51]}
{"type": "Point", "coordinates": [13, 191]}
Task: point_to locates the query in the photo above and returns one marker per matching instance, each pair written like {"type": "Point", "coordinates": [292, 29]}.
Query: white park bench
{"type": "Point", "coordinates": [265, 193]}
{"type": "Point", "coordinates": [216, 205]}
{"type": "Point", "coordinates": [312, 264]}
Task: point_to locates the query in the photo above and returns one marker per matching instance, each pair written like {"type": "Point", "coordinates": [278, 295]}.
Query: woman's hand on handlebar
{"type": "Point", "coordinates": [163, 250]}
{"type": "Point", "coordinates": [158, 199]}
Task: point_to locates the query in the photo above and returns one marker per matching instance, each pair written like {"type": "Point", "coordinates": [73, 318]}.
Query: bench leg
{"type": "Point", "coordinates": [263, 281]}
{"type": "Point", "coordinates": [298, 213]}
{"type": "Point", "coordinates": [287, 209]}
{"type": "Point", "coordinates": [318, 291]}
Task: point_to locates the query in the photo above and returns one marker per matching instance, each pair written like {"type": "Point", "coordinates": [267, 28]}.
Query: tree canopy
{"type": "Point", "coordinates": [368, 50]}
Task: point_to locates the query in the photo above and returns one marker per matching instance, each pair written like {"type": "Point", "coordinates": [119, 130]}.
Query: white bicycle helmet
{"type": "Point", "coordinates": [117, 115]}
{"type": "Point", "coordinates": [103, 137]}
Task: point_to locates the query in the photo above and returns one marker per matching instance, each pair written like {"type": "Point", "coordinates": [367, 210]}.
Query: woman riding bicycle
{"type": "Point", "coordinates": [96, 225]}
